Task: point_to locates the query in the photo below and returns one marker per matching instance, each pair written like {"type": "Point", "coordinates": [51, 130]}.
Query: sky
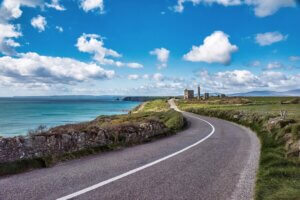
{"type": "Point", "coordinates": [142, 47]}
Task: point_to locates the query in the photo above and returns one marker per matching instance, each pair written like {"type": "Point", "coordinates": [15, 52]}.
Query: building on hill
{"type": "Point", "coordinates": [206, 95]}
{"type": "Point", "coordinates": [188, 94]}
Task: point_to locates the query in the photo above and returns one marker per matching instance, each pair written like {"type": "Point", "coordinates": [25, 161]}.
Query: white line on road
{"type": "Point", "coordinates": [93, 187]}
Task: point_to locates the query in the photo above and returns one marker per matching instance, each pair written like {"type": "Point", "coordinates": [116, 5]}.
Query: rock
{"type": "Point", "coordinates": [235, 116]}
{"type": "Point", "coordinates": [294, 149]}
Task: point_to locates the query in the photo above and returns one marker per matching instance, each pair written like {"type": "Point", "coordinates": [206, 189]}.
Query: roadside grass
{"type": "Point", "coordinates": [157, 110]}
{"type": "Point", "coordinates": [173, 120]}
{"type": "Point", "coordinates": [158, 105]}
{"type": "Point", "coordinates": [278, 176]}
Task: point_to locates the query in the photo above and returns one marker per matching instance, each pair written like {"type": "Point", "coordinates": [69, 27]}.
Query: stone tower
{"type": "Point", "coordinates": [198, 92]}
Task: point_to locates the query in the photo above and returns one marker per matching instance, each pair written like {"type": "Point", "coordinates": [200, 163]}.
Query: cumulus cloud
{"type": "Point", "coordinates": [11, 9]}
{"type": "Point", "coordinates": [94, 44]}
{"type": "Point", "coordinates": [162, 55]}
{"type": "Point", "coordinates": [90, 5]}
{"type": "Point", "coordinates": [262, 8]}
{"type": "Point", "coordinates": [39, 22]}
{"type": "Point", "coordinates": [216, 48]}
{"type": "Point", "coordinates": [245, 80]}
{"type": "Point", "coordinates": [237, 78]}
{"type": "Point", "coordinates": [56, 5]}
{"type": "Point", "coordinates": [29, 68]}
{"type": "Point", "coordinates": [229, 81]}
{"type": "Point", "coordinates": [7, 33]}
{"type": "Point", "coordinates": [265, 39]}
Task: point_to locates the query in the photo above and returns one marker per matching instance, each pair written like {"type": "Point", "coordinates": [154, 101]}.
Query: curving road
{"type": "Point", "coordinates": [211, 159]}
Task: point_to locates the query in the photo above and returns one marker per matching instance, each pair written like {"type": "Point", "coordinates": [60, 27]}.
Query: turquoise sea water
{"type": "Point", "coordinates": [18, 115]}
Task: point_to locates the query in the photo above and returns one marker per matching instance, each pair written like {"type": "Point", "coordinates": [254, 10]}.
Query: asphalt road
{"type": "Point", "coordinates": [211, 159]}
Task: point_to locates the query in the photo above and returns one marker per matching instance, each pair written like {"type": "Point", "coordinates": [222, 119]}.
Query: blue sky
{"type": "Point", "coordinates": [157, 47]}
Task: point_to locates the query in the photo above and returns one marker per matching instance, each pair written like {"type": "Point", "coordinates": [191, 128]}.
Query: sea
{"type": "Point", "coordinates": [18, 115]}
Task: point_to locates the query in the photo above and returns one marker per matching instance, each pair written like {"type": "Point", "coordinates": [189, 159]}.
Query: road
{"type": "Point", "coordinates": [212, 159]}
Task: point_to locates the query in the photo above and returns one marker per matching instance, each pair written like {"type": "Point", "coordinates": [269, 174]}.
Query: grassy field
{"type": "Point", "coordinates": [260, 105]}
{"type": "Point", "coordinates": [159, 105]}
{"type": "Point", "coordinates": [152, 110]}
{"type": "Point", "coordinates": [279, 171]}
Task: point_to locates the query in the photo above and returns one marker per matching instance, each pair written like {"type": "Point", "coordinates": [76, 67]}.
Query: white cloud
{"type": "Point", "coordinates": [39, 22]}
{"type": "Point", "coordinates": [271, 75]}
{"type": "Point", "coordinates": [162, 55]}
{"type": "Point", "coordinates": [59, 28]}
{"type": "Point", "coordinates": [93, 44]}
{"type": "Point", "coordinates": [134, 65]}
{"type": "Point", "coordinates": [56, 5]}
{"type": "Point", "coordinates": [11, 9]}
{"type": "Point", "coordinates": [237, 77]}
{"type": "Point", "coordinates": [274, 65]}
{"type": "Point", "coordinates": [262, 8]}
{"type": "Point", "coordinates": [216, 48]}
{"type": "Point", "coordinates": [7, 44]}
{"type": "Point", "coordinates": [32, 68]}
{"type": "Point", "coordinates": [225, 82]}
{"type": "Point", "coordinates": [158, 77]}
{"type": "Point", "coordinates": [180, 3]}
{"type": "Point", "coordinates": [89, 5]}
{"type": "Point", "coordinates": [294, 58]}
{"type": "Point", "coordinates": [133, 76]}
{"type": "Point", "coordinates": [265, 39]}
{"type": "Point", "coordinates": [244, 80]}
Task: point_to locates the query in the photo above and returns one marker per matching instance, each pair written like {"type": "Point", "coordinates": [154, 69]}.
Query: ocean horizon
{"type": "Point", "coordinates": [18, 115]}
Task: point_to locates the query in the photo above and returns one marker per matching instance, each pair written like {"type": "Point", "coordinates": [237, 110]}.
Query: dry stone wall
{"type": "Point", "coordinates": [65, 140]}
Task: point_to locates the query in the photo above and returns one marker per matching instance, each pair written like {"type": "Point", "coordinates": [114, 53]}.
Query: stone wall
{"type": "Point", "coordinates": [63, 140]}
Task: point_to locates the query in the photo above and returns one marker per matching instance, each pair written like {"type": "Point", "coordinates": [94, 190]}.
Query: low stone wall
{"type": "Point", "coordinates": [63, 140]}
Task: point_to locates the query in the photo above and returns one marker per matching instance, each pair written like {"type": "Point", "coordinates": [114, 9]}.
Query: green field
{"type": "Point", "coordinates": [279, 167]}
{"type": "Point", "coordinates": [158, 105]}
{"type": "Point", "coordinates": [260, 105]}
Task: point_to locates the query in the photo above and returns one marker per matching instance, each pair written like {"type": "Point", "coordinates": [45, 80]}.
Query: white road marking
{"type": "Point", "coordinates": [93, 187]}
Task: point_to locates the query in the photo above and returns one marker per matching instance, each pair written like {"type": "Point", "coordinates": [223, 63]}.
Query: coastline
{"type": "Point", "coordinates": [20, 115]}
